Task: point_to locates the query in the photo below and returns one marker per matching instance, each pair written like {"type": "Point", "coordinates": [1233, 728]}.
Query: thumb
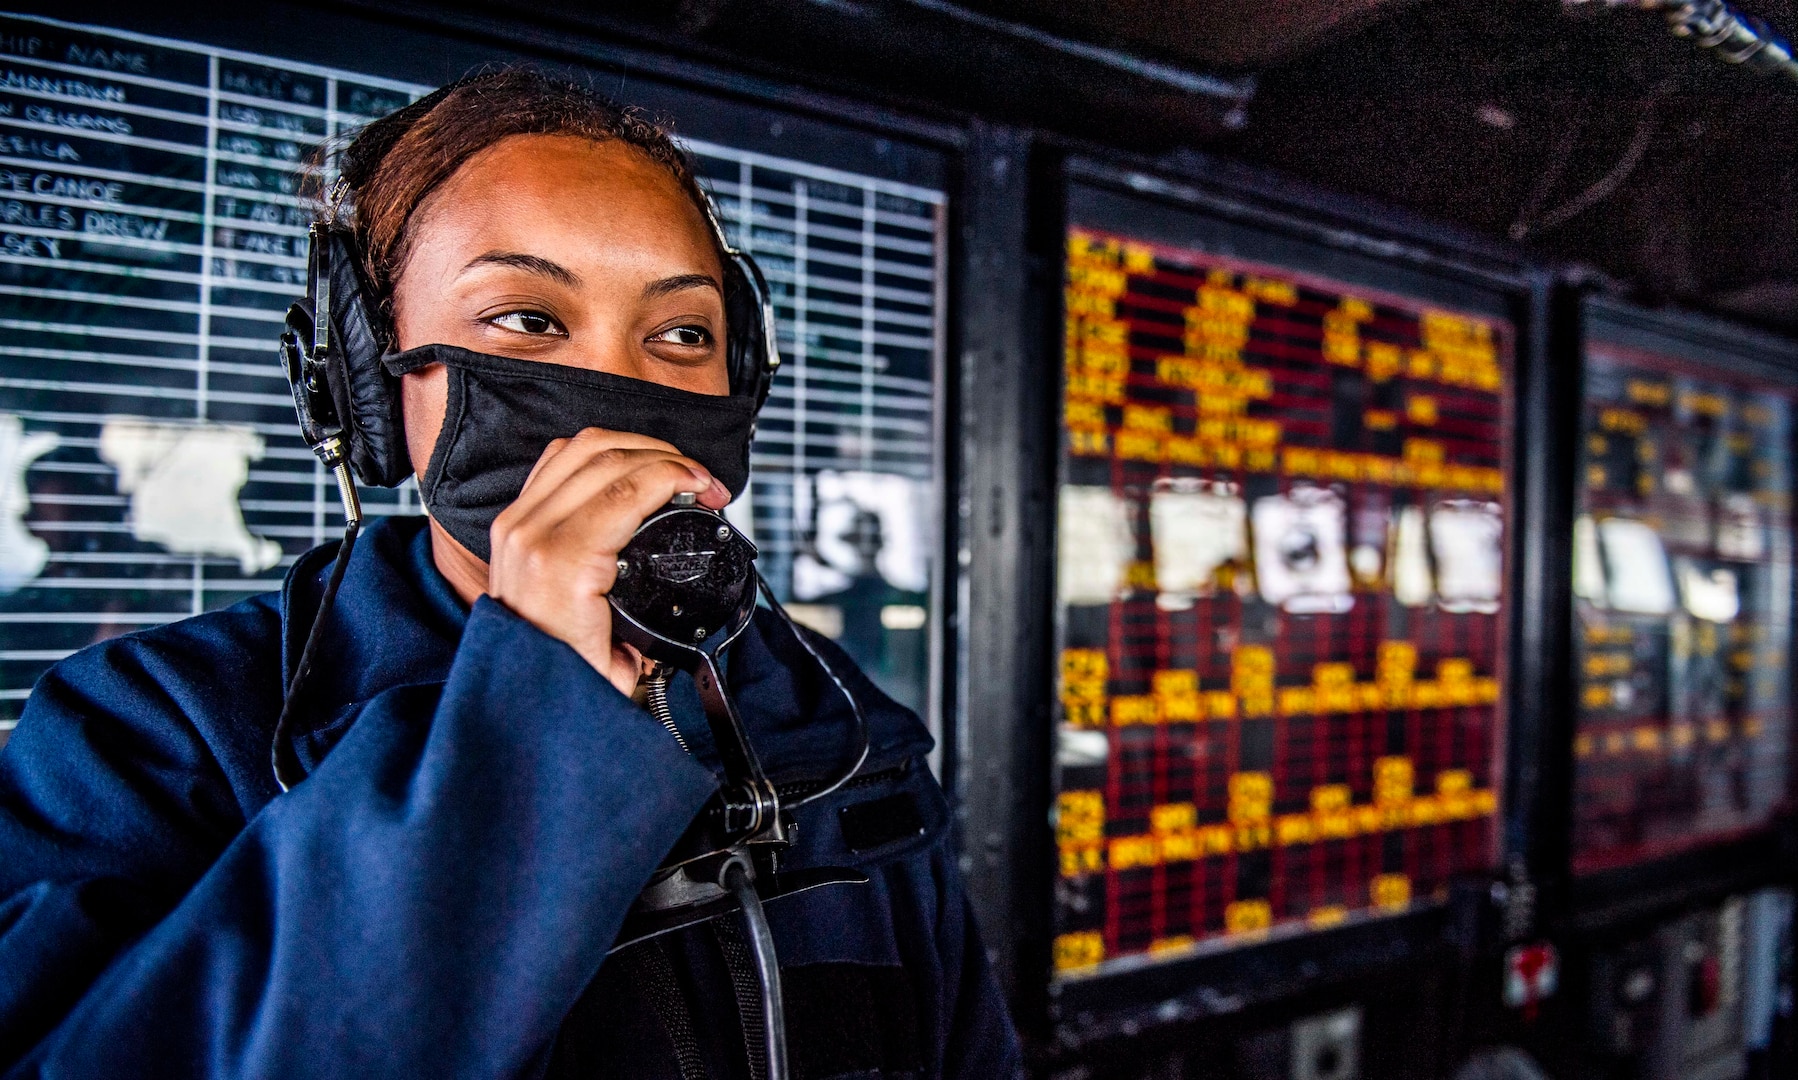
{"type": "Point", "coordinates": [626, 669]}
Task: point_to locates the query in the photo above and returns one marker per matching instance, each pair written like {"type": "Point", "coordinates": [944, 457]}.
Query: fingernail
{"type": "Point", "coordinates": [702, 476]}
{"type": "Point", "coordinates": [720, 490]}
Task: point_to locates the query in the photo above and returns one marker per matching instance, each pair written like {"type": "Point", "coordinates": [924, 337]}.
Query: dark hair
{"type": "Point", "coordinates": [395, 163]}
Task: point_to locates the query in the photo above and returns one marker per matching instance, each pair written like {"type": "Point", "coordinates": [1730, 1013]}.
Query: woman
{"type": "Point", "coordinates": [482, 800]}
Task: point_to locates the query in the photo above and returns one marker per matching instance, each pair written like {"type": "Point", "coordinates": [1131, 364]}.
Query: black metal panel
{"type": "Point", "coordinates": [1541, 580]}
{"type": "Point", "coordinates": [1233, 191]}
{"type": "Point", "coordinates": [926, 57]}
{"type": "Point", "coordinates": [1702, 338]}
{"type": "Point", "coordinates": [1407, 1030]}
{"type": "Point", "coordinates": [1006, 463]}
{"type": "Point", "coordinates": [1095, 1010]}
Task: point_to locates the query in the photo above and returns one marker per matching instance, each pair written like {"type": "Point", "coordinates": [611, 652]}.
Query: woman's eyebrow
{"type": "Point", "coordinates": [535, 264]}
{"type": "Point", "coordinates": [664, 286]}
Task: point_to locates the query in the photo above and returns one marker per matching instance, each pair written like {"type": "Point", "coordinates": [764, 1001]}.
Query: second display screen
{"type": "Point", "coordinates": [1683, 586]}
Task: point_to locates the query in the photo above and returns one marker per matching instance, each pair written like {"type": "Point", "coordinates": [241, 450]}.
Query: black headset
{"type": "Point", "coordinates": [347, 402]}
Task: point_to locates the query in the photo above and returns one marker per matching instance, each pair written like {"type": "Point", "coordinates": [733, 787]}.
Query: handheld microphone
{"type": "Point", "coordinates": [686, 588]}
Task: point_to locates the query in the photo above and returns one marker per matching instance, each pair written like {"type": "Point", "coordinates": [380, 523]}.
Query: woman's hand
{"type": "Point", "coordinates": [555, 550]}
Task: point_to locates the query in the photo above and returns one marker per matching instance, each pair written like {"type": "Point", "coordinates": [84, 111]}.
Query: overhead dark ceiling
{"type": "Point", "coordinates": [1586, 133]}
{"type": "Point", "coordinates": [1234, 34]}
{"type": "Point", "coordinates": [1595, 136]}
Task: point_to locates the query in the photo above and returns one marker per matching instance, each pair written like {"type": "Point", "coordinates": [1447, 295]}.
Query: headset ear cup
{"type": "Point", "coordinates": [739, 327]}
{"type": "Point", "coordinates": [367, 397]}
{"type": "Point", "coordinates": [746, 335]}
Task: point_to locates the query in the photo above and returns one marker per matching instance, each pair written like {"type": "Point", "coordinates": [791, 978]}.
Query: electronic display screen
{"type": "Point", "coordinates": [1280, 600]}
{"type": "Point", "coordinates": [153, 232]}
{"type": "Point", "coordinates": [1683, 605]}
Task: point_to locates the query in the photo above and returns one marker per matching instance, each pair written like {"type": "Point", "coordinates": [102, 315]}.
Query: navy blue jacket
{"type": "Point", "coordinates": [437, 897]}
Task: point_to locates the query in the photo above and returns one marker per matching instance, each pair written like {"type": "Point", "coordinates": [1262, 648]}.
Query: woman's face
{"type": "Point", "coordinates": [566, 251]}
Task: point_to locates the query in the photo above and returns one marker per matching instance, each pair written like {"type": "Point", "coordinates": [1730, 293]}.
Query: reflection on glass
{"type": "Point", "coordinates": [865, 578]}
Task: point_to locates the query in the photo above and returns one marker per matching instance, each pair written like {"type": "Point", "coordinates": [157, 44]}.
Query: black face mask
{"type": "Point", "coordinates": [503, 412]}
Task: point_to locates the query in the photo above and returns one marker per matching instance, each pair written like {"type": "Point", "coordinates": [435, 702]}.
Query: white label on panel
{"type": "Point", "coordinates": [1708, 594]}
{"type": "Point", "coordinates": [1300, 561]}
{"type": "Point", "coordinates": [1468, 540]}
{"type": "Point", "coordinates": [1740, 534]}
{"type": "Point", "coordinates": [1588, 564]}
{"type": "Point", "coordinates": [1194, 533]}
{"type": "Point", "coordinates": [1412, 584]}
{"type": "Point", "coordinates": [1096, 545]}
{"type": "Point", "coordinates": [1636, 567]}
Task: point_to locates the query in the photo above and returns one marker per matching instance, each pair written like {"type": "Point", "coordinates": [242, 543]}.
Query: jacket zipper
{"type": "Point", "coordinates": [799, 788]}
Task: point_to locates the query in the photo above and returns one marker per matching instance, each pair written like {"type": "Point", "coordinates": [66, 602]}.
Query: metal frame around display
{"type": "Point", "coordinates": [1018, 702]}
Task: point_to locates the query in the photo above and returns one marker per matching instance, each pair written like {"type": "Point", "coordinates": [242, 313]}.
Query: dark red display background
{"type": "Point", "coordinates": [1177, 905]}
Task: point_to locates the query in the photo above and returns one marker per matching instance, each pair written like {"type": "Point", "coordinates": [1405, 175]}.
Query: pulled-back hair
{"type": "Point", "coordinates": [395, 163]}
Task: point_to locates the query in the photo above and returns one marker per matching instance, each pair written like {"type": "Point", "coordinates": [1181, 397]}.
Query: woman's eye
{"type": "Point", "coordinates": [527, 322]}
{"type": "Point", "coordinates": [693, 336]}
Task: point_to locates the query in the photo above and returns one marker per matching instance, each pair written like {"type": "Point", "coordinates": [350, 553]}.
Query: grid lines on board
{"type": "Point", "coordinates": [1280, 598]}
{"type": "Point", "coordinates": [152, 234]}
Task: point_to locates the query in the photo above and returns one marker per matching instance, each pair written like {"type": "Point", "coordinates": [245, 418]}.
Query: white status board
{"type": "Point", "coordinates": [152, 234]}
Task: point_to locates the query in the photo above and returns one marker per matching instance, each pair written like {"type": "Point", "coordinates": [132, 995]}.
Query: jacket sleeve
{"type": "Point", "coordinates": [429, 902]}
{"type": "Point", "coordinates": [979, 1041]}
